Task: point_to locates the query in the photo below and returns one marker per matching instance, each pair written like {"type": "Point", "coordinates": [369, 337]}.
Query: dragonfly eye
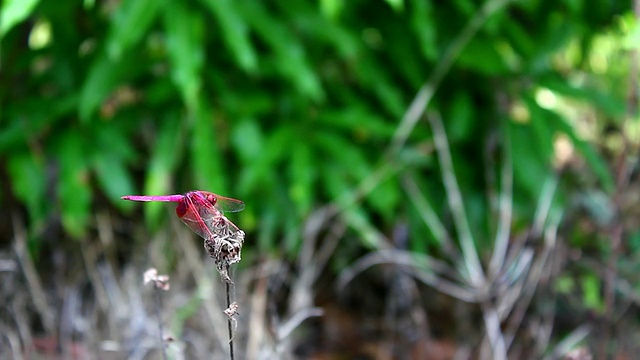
{"type": "Point", "coordinates": [212, 199]}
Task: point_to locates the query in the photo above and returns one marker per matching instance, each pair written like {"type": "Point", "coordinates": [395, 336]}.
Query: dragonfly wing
{"type": "Point", "coordinates": [199, 213]}
{"type": "Point", "coordinates": [226, 204]}
{"type": "Point", "coordinates": [196, 215]}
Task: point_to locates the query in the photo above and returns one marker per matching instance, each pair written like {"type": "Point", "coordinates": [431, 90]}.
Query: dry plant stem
{"type": "Point", "coordinates": [542, 268]}
{"type": "Point", "coordinates": [158, 306]}
{"type": "Point", "coordinates": [203, 279]}
{"type": "Point", "coordinates": [312, 261]}
{"type": "Point", "coordinates": [15, 348]}
{"type": "Point", "coordinates": [412, 264]}
{"type": "Point", "coordinates": [494, 333]}
{"type": "Point", "coordinates": [616, 230]}
{"type": "Point", "coordinates": [228, 289]}
{"type": "Point", "coordinates": [258, 312]}
{"type": "Point", "coordinates": [285, 330]}
{"type": "Point", "coordinates": [505, 203]}
{"type": "Point", "coordinates": [475, 274]}
{"type": "Point", "coordinates": [570, 342]}
{"type": "Point", "coordinates": [424, 96]}
{"type": "Point", "coordinates": [31, 276]}
{"type": "Point", "coordinates": [430, 217]}
{"type": "Point", "coordinates": [418, 106]}
{"type": "Point", "coordinates": [366, 186]}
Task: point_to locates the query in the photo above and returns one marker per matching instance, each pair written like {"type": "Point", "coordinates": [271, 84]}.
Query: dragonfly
{"type": "Point", "coordinates": [200, 210]}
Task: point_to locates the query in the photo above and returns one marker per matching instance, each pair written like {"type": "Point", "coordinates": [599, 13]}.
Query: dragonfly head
{"type": "Point", "coordinates": [211, 199]}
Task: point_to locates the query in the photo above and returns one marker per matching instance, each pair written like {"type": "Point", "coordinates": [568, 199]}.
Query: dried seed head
{"type": "Point", "coordinates": [225, 246]}
{"type": "Point", "coordinates": [232, 310]}
{"type": "Point", "coordinates": [159, 281]}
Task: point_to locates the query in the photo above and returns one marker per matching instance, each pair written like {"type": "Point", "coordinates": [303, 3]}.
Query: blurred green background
{"type": "Point", "coordinates": [485, 153]}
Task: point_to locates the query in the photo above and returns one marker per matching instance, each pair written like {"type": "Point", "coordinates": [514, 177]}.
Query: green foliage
{"type": "Point", "coordinates": [286, 105]}
{"type": "Point", "coordinates": [13, 12]}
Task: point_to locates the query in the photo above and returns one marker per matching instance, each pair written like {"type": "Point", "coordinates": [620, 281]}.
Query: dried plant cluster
{"type": "Point", "coordinates": [159, 281]}
{"type": "Point", "coordinates": [225, 245]}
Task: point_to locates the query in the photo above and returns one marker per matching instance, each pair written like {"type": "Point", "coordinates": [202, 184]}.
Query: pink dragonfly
{"type": "Point", "coordinates": [199, 210]}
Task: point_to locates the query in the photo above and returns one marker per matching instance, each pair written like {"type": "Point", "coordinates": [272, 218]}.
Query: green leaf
{"type": "Point", "coordinates": [113, 177]}
{"type": "Point", "coordinates": [28, 181]}
{"type": "Point", "coordinates": [302, 175]}
{"type": "Point", "coordinates": [290, 58]}
{"type": "Point", "coordinates": [30, 118]}
{"type": "Point", "coordinates": [13, 12]}
{"type": "Point", "coordinates": [208, 168]}
{"type": "Point", "coordinates": [608, 103]}
{"type": "Point", "coordinates": [130, 23]}
{"type": "Point", "coordinates": [164, 160]}
{"type": "Point", "coordinates": [424, 27]}
{"type": "Point", "coordinates": [541, 127]}
{"type": "Point", "coordinates": [631, 39]}
{"type": "Point", "coordinates": [385, 197]}
{"type": "Point", "coordinates": [591, 293]}
{"type": "Point", "coordinates": [331, 8]}
{"type": "Point", "coordinates": [361, 122]}
{"type": "Point", "coordinates": [185, 29]}
{"type": "Point", "coordinates": [595, 161]}
{"type": "Point", "coordinates": [268, 222]}
{"type": "Point", "coordinates": [519, 38]}
{"type": "Point", "coordinates": [257, 172]}
{"type": "Point", "coordinates": [530, 171]}
{"type": "Point", "coordinates": [247, 140]}
{"type": "Point", "coordinates": [397, 5]}
{"type": "Point", "coordinates": [359, 221]}
{"type": "Point", "coordinates": [104, 75]}
{"type": "Point", "coordinates": [461, 117]}
{"type": "Point", "coordinates": [482, 56]}
{"type": "Point", "coordinates": [374, 76]}
{"type": "Point", "coordinates": [249, 143]}
{"type": "Point", "coordinates": [74, 189]}
{"type": "Point", "coordinates": [345, 154]}
{"type": "Point", "coordinates": [235, 32]}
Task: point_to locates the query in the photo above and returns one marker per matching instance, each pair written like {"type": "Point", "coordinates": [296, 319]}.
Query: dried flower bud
{"type": "Point", "coordinates": [225, 246]}
{"type": "Point", "coordinates": [232, 310]}
{"type": "Point", "coordinates": [159, 281]}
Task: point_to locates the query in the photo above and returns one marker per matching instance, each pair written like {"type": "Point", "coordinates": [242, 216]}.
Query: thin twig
{"type": "Point", "coordinates": [158, 303]}
{"type": "Point", "coordinates": [426, 92]}
{"type": "Point", "coordinates": [228, 289]}
{"type": "Point", "coordinates": [205, 286]}
{"type": "Point", "coordinates": [287, 328]}
{"type": "Point", "coordinates": [616, 230]}
{"type": "Point", "coordinates": [35, 285]}
{"type": "Point", "coordinates": [414, 265]}
{"type": "Point", "coordinates": [506, 206]}
{"type": "Point", "coordinates": [430, 217]}
{"type": "Point", "coordinates": [475, 274]}
{"type": "Point", "coordinates": [494, 332]}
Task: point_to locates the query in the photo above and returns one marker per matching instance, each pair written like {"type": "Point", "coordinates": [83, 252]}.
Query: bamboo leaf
{"type": "Point", "coordinates": [302, 176]}
{"type": "Point", "coordinates": [290, 58]}
{"type": "Point", "coordinates": [74, 189]}
{"type": "Point", "coordinates": [13, 12]}
{"type": "Point", "coordinates": [28, 181]}
{"type": "Point", "coordinates": [208, 168]}
{"type": "Point", "coordinates": [185, 29]}
{"type": "Point", "coordinates": [129, 24]}
{"type": "Point", "coordinates": [164, 160]}
{"type": "Point", "coordinates": [113, 177]}
{"type": "Point", "coordinates": [331, 8]}
{"type": "Point", "coordinates": [235, 32]}
{"type": "Point", "coordinates": [104, 75]}
{"type": "Point", "coordinates": [424, 27]}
